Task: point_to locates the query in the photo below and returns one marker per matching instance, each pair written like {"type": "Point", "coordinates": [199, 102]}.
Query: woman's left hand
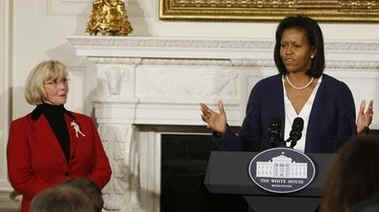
{"type": "Point", "coordinates": [364, 117]}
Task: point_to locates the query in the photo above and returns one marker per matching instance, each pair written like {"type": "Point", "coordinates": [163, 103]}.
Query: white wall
{"type": "Point", "coordinates": [4, 88]}
{"type": "Point", "coordinates": [39, 29]}
{"type": "Point", "coordinates": [2, 111]}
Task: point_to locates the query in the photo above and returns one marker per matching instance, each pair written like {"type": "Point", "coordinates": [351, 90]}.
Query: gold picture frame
{"type": "Point", "coordinates": [270, 10]}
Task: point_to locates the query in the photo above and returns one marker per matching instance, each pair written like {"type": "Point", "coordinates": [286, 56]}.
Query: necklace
{"type": "Point", "coordinates": [299, 88]}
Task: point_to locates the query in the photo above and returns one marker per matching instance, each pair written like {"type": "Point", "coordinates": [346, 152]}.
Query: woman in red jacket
{"type": "Point", "coordinates": [51, 145]}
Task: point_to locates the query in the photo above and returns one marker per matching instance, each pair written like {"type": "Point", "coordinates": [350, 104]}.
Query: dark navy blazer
{"type": "Point", "coordinates": [331, 122]}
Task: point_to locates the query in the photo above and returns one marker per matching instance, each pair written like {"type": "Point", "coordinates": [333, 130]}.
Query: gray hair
{"type": "Point", "coordinates": [62, 199]}
{"type": "Point", "coordinates": [90, 189]}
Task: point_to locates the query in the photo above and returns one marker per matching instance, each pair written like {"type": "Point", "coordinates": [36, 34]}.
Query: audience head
{"type": "Point", "coordinates": [353, 174]}
{"type": "Point", "coordinates": [313, 34]}
{"type": "Point", "coordinates": [47, 71]}
{"type": "Point", "coordinates": [90, 189]}
{"type": "Point", "coordinates": [62, 199]}
{"type": "Point", "coordinates": [370, 205]}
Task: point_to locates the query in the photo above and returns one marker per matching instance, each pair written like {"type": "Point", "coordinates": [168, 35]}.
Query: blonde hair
{"type": "Point", "coordinates": [47, 70]}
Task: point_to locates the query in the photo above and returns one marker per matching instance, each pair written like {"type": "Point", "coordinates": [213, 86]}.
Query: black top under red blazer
{"type": "Point", "coordinates": [36, 160]}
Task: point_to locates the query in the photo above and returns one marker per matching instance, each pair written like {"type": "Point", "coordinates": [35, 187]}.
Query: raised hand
{"type": "Point", "coordinates": [364, 117]}
{"type": "Point", "coordinates": [216, 120]}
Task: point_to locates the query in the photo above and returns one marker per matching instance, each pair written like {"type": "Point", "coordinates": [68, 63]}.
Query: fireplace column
{"type": "Point", "coordinates": [115, 103]}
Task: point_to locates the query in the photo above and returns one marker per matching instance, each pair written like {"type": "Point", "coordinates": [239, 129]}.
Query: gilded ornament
{"type": "Point", "coordinates": [108, 17]}
{"type": "Point", "coordinates": [270, 10]}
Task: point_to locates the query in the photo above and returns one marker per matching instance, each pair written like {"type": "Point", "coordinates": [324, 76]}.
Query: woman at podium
{"type": "Point", "coordinates": [299, 90]}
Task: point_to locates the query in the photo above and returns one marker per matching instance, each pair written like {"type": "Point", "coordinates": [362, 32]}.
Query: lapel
{"type": "Point", "coordinates": [278, 102]}
{"type": "Point", "coordinates": [316, 110]}
{"type": "Point", "coordinates": [45, 136]}
{"type": "Point", "coordinates": [72, 134]}
{"type": "Point", "coordinates": [281, 109]}
{"type": "Point", "coordinates": [44, 133]}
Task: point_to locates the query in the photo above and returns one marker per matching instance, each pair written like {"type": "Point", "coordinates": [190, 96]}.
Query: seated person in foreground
{"type": "Point", "coordinates": [62, 199]}
{"type": "Point", "coordinates": [353, 175]}
{"type": "Point", "coordinates": [90, 189]}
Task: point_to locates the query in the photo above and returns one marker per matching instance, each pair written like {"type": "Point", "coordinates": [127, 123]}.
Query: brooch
{"type": "Point", "coordinates": [77, 129]}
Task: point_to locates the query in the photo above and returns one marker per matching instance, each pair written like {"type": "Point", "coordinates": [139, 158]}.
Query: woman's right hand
{"type": "Point", "coordinates": [364, 118]}
{"type": "Point", "coordinates": [216, 120]}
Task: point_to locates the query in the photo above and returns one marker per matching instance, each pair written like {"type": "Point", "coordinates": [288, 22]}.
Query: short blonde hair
{"type": "Point", "coordinates": [35, 93]}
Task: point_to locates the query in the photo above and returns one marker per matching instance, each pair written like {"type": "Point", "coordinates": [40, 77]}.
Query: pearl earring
{"type": "Point", "coordinates": [312, 56]}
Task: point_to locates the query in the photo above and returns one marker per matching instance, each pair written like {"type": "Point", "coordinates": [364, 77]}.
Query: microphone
{"type": "Point", "coordinates": [295, 133]}
{"type": "Point", "coordinates": [274, 133]}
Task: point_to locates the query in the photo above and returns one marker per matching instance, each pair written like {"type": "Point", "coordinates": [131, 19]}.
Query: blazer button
{"type": "Point", "coordinates": [67, 174]}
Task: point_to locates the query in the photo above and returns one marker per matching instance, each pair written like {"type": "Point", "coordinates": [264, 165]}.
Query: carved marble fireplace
{"type": "Point", "coordinates": [160, 81]}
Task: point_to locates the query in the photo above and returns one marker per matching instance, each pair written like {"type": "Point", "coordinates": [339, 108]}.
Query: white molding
{"type": "Point", "coordinates": [5, 185]}
{"type": "Point", "coordinates": [6, 79]}
{"type": "Point", "coordinates": [6, 203]}
{"type": "Point", "coordinates": [242, 52]}
{"type": "Point", "coordinates": [161, 47]}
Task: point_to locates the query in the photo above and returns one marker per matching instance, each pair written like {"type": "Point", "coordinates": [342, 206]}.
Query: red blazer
{"type": "Point", "coordinates": [36, 160]}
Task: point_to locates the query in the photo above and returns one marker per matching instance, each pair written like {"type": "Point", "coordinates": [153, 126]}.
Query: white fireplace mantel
{"type": "Point", "coordinates": [168, 47]}
{"type": "Point", "coordinates": [181, 72]}
{"type": "Point", "coordinates": [209, 48]}
{"type": "Point", "coordinates": [162, 80]}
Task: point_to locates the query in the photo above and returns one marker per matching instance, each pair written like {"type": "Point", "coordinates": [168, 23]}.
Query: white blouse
{"type": "Point", "coordinates": [291, 114]}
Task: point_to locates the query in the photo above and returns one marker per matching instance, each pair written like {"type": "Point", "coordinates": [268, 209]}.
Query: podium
{"type": "Point", "coordinates": [227, 173]}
